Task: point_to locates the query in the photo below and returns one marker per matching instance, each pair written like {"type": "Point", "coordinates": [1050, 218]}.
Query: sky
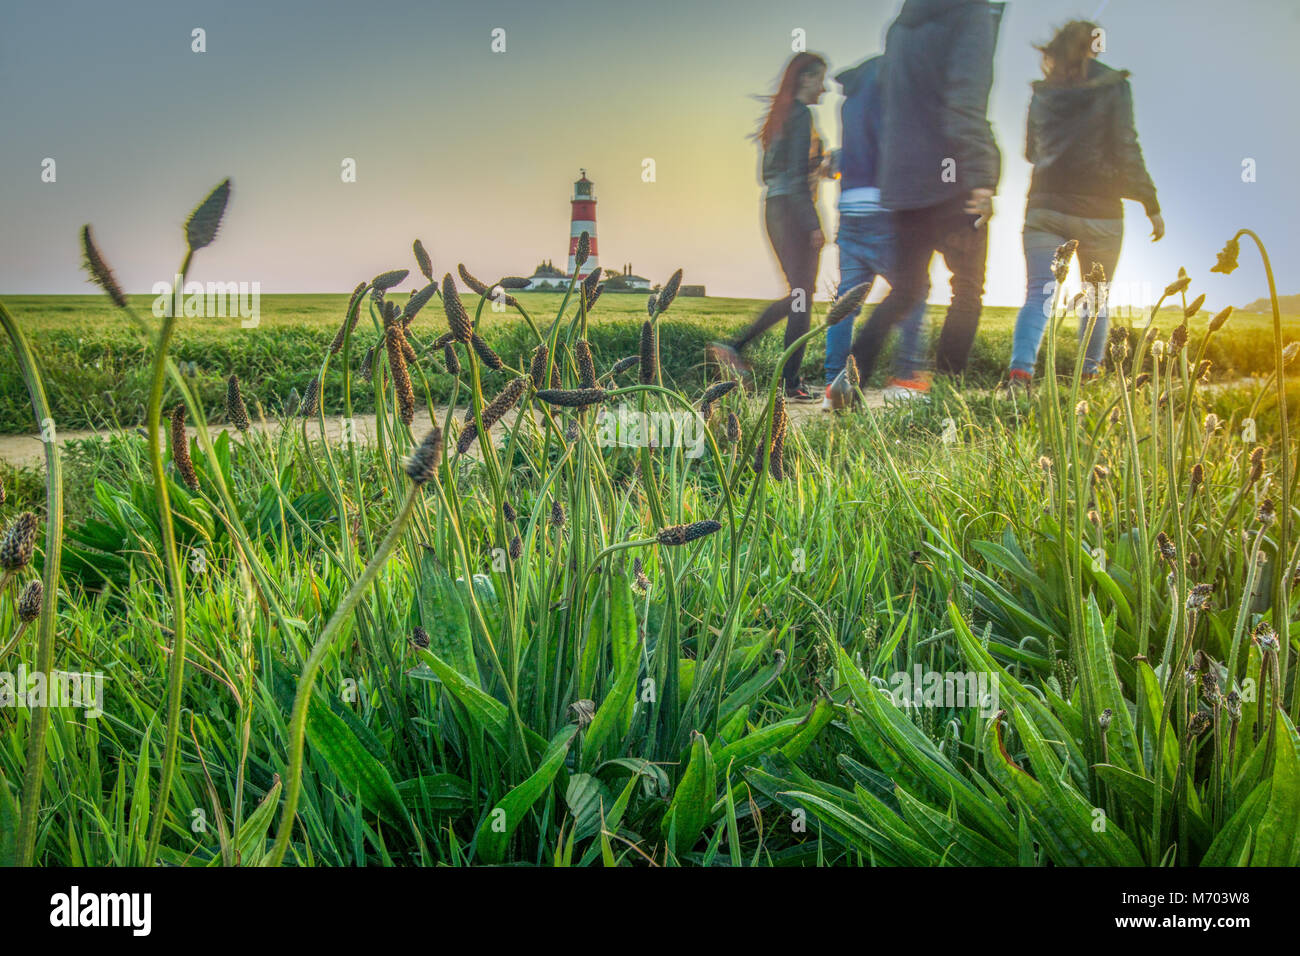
{"type": "Point", "coordinates": [475, 151]}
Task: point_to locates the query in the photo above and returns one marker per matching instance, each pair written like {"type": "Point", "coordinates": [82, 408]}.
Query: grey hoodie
{"type": "Point", "coordinates": [937, 142]}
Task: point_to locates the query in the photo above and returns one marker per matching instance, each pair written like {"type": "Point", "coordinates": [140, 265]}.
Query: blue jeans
{"type": "Point", "coordinates": [1045, 230]}
{"type": "Point", "coordinates": [866, 246]}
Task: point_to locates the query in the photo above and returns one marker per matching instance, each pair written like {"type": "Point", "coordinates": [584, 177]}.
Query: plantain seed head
{"type": "Point", "coordinates": [669, 292]}
{"type": "Point", "coordinates": [99, 271]}
{"type": "Point", "coordinates": [19, 543]}
{"type": "Point", "coordinates": [201, 227]}
{"type": "Point", "coordinates": [424, 461]}
{"type": "Point", "coordinates": [422, 259]}
{"type": "Point", "coordinates": [649, 360]}
{"type": "Point", "coordinates": [29, 602]}
{"type": "Point", "coordinates": [457, 317]}
{"type": "Point", "coordinates": [682, 534]}
{"type": "Point", "coordinates": [236, 410]}
{"type": "Point", "coordinates": [181, 449]}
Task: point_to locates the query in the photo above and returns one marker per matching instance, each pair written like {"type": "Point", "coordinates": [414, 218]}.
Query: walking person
{"type": "Point", "coordinates": [793, 165]}
{"type": "Point", "coordinates": [1083, 143]}
{"type": "Point", "coordinates": [939, 168]}
{"type": "Point", "coordinates": [866, 233]}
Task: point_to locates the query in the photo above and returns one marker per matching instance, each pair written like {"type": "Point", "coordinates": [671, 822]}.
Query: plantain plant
{"type": "Point", "coordinates": [488, 635]}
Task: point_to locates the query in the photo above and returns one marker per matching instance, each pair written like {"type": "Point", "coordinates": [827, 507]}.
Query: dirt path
{"type": "Point", "coordinates": [26, 451]}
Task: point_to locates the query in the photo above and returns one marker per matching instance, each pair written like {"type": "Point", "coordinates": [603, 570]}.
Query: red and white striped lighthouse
{"type": "Point", "coordinates": [583, 219]}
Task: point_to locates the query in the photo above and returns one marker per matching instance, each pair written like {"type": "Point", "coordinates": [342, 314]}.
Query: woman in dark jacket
{"type": "Point", "coordinates": [792, 166]}
{"type": "Point", "coordinates": [1084, 147]}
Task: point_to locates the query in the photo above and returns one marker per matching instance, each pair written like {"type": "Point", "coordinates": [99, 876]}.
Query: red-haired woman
{"type": "Point", "coordinates": [792, 165]}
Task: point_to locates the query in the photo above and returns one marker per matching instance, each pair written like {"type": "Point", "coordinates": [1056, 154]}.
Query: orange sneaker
{"type": "Point", "coordinates": [1016, 379]}
{"type": "Point", "coordinates": [907, 389]}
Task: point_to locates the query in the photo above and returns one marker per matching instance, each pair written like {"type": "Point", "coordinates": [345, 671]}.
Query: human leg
{"type": "Point", "coordinates": [909, 283]}
{"type": "Point", "coordinates": [856, 268]}
{"type": "Point", "coordinates": [1104, 238]}
{"type": "Point", "coordinates": [965, 250]}
{"type": "Point", "coordinates": [1040, 247]}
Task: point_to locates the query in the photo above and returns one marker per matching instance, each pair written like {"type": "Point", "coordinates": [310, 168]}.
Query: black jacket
{"type": "Point", "coordinates": [788, 166]}
{"type": "Point", "coordinates": [938, 71]}
{"type": "Point", "coordinates": [1084, 147]}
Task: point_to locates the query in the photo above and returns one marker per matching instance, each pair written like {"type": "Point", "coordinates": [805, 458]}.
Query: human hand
{"type": "Point", "coordinates": [831, 165]}
{"type": "Point", "coordinates": [980, 204]}
{"type": "Point", "coordinates": [817, 240]}
{"type": "Point", "coordinates": [1157, 226]}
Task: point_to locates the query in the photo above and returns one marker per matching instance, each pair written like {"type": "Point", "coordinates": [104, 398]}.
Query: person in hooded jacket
{"type": "Point", "coordinates": [939, 168]}
{"type": "Point", "coordinates": [866, 233]}
{"type": "Point", "coordinates": [1082, 141]}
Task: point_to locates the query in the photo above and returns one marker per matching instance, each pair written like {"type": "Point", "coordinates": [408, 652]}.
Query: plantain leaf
{"type": "Point", "coordinates": [692, 802]}
{"type": "Point", "coordinates": [1153, 699]}
{"type": "Point", "coordinates": [610, 819]}
{"type": "Point", "coordinates": [609, 715]}
{"type": "Point", "coordinates": [1024, 699]}
{"type": "Point", "coordinates": [1100, 660]}
{"type": "Point", "coordinates": [623, 640]}
{"type": "Point", "coordinates": [436, 792]}
{"type": "Point", "coordinates": [1078, 813]}
{"type": "Point", "coordinates": [919, 753]}
{"type": "Point", "coordinates": [484, 709]}
{"type": "Point", "coordinates": [590, 657]}
{"type": "Point", "coordinates": [749, 691]}
{"type": "Point", "coordinates": [821, 714]}
{"type": "Point", "coordinates": [1235, 840]}
{"type": "Point", "coordinates": [139, 822]}
{"type": "Point", "coordinates": [959, 845]}
{"type": "Point", "coordinates": [502, 820]}
{"type": "Point", "coordinates": [1277, 839]}
{"type": "Point", "coordinates": [250, 844]}
{"type": "Point", "coordinates": [587, 799]}
{"type": "Point", "coordinates": [848, 826]}
{"type": "Point", "coordinates": [777, 736]}
{"type": "Point", "coordinates": [901, 840]}
{"type": "Point", "coordinates": [356, 767]}
{"type": "Point", "coordinates": [8, 825]}
{"type": "Point", "coordinates": [442, 614]}
{"type": "Point", "coordinates": [1071, 830]}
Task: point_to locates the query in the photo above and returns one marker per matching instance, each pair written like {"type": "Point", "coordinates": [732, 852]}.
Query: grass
{"type": "Point", "coordinates": [558, 653]}
{"type": "Point", "coordinates": [96, 370]}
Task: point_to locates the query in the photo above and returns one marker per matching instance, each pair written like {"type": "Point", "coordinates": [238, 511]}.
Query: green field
{"type": "Point", "coordinates": [96, 370]}
{"type": "Point", "coordinates": [1046, 628]}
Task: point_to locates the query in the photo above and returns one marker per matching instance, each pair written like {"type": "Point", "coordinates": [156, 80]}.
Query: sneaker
{"type": "Point", "coordinates": [839, 393]}
{"type": "Point", "coordinates": [1016, 379]}
{"type": "Point", "coordinates": [727, 356]}
{"type": "Point", "coordinates": [798, 393]}
{"type": "Point", "coordinates": [906, 389]}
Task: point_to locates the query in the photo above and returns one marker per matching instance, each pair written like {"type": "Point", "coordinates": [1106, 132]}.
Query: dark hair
{"type": "Point", "coordinates": [799, 66]}
{"type": "Point", "coordinates": [1065, 56]}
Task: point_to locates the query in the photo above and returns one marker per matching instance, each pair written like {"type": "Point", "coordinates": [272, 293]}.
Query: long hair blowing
{"type": "Point", "coordinates": [800, 65]}
{"type": "Point", "coordinates": [1065, 56]}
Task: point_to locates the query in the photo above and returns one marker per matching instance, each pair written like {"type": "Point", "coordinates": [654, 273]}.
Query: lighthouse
{"type": "Point", "coordinates": [583, 219]}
